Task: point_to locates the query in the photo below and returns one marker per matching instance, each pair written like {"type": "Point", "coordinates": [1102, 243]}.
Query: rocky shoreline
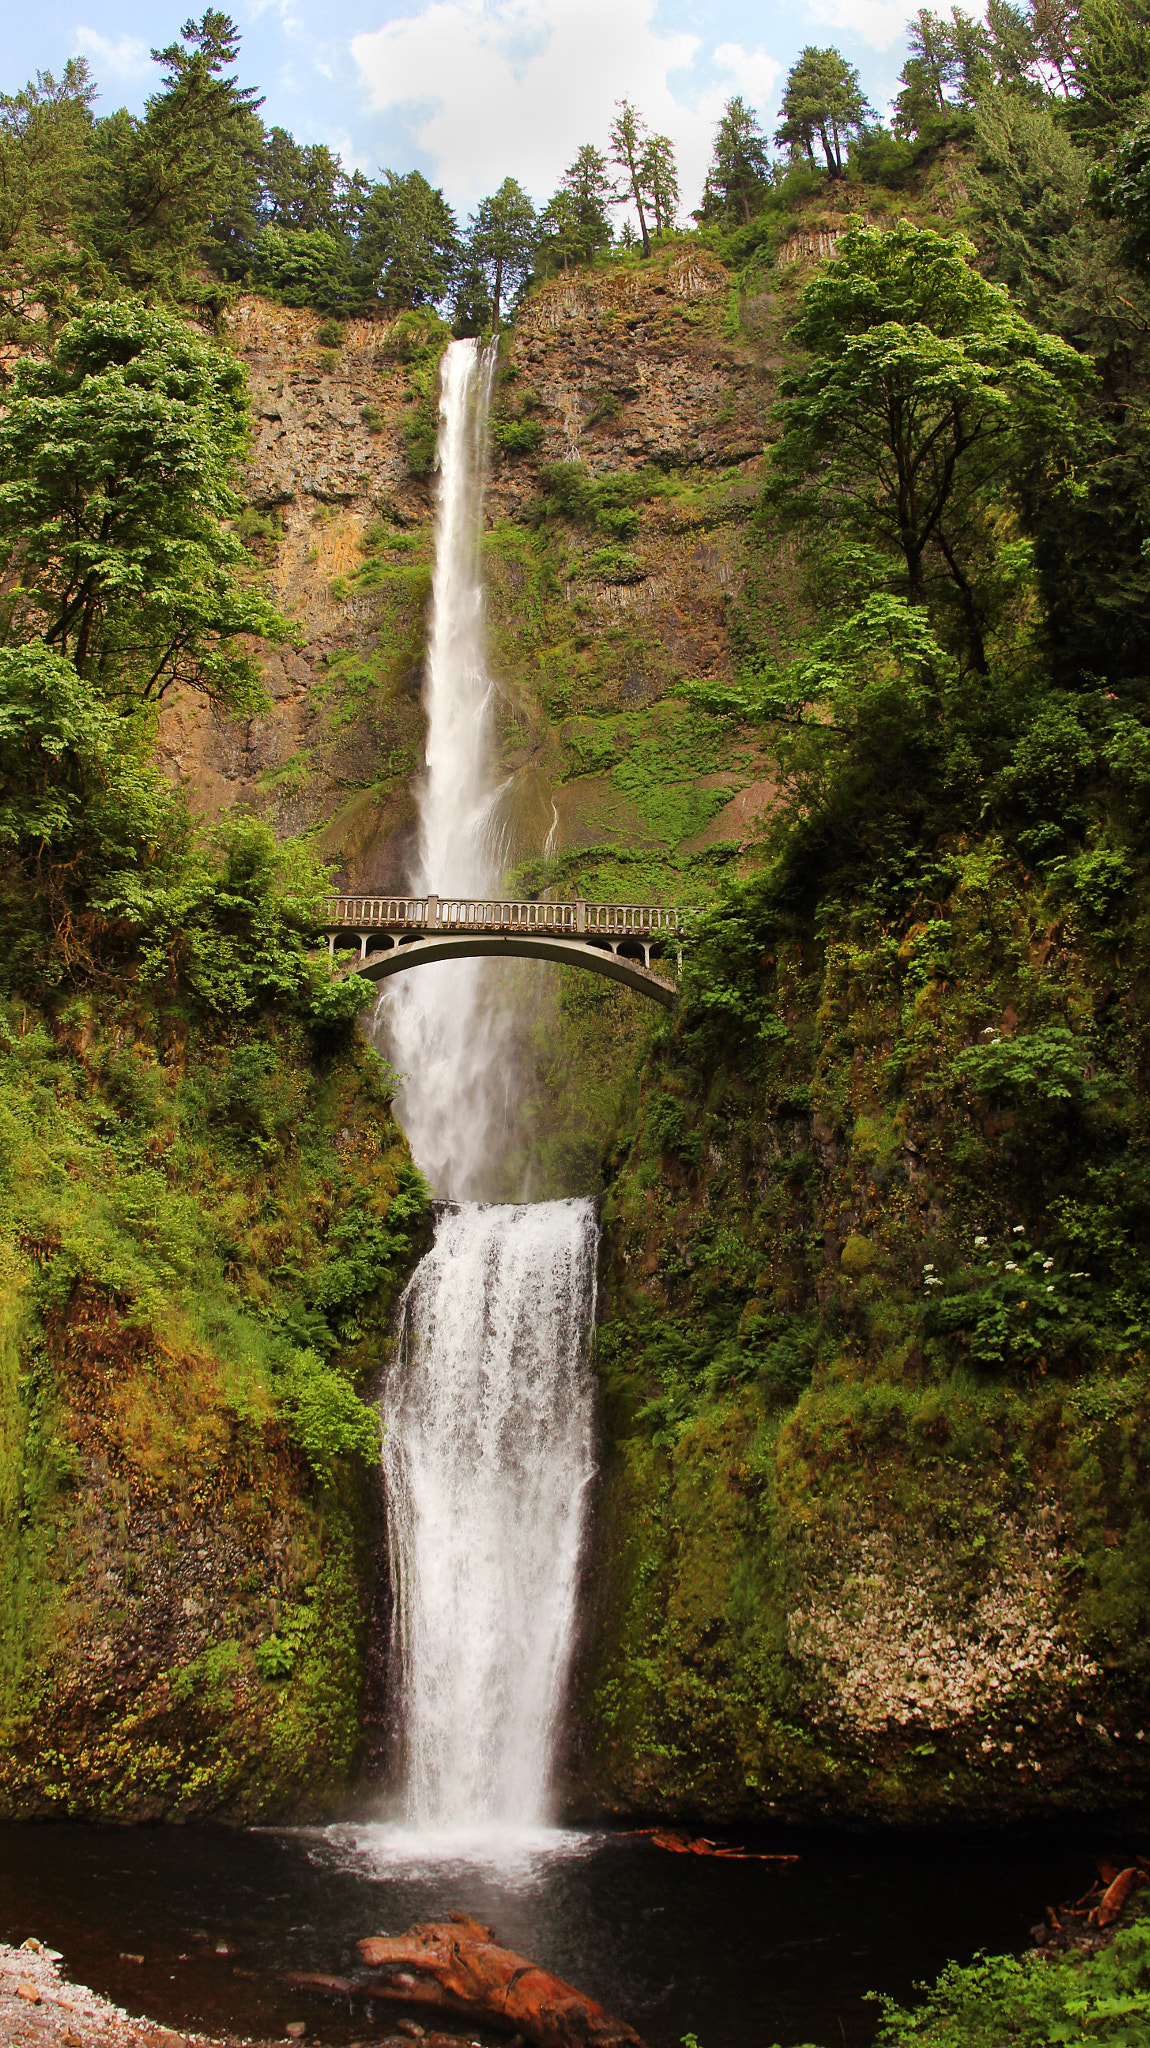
{"type": "Point", "coordinates": [40, 2008]}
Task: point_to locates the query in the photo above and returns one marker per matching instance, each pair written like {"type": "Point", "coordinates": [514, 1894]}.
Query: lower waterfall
{"type": "Point", "coordinates": [488, 1454]}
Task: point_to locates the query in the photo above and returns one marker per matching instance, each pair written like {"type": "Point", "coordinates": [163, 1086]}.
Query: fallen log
{"type": "Point", "coordinates": [457, 1966]}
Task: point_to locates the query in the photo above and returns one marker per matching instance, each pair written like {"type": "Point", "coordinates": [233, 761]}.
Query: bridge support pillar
{"type": "Point", "coordinates": [363, 945]}
{"type": "Point", "coordinates": [331, 944]}
{"type": "Point", "coordinates": [580, 914]}
{"type": "Point", "coordinates": [433, 910]}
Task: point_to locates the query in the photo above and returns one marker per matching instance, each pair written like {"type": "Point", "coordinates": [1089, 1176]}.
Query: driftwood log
{"type": "Point", "coordinates": [457, 1966]}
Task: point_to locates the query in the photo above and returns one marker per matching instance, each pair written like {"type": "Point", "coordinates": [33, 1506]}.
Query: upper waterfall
{"type": "Point", "coordinates": [443, 1039]}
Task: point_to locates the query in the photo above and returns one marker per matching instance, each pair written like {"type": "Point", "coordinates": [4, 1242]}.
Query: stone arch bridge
{"type": "Point", "coordinates": [637, 944]}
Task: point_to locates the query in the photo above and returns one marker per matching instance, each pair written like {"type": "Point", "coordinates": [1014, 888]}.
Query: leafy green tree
{"type": "Point", "coordinates": [740, 171]}
{"type": "Point", "coordinates": [660, 180]}
{"type": "Point", "coordinates": [303, 185]}
{"type": "Point", "coordinates": [157, 184]}
{"type": "Point", "coordinates": [628, 137]}
{"type": "Point", "coordinates": [45, 136]}
{"type": "Point", "coordinates": [931, 67]}
{"type": "Point", "coordinates": [822, 99]}
{"type": "Point", "coordinates": [502, 235]}
{"type": "Point", "coordinates": [1065, 266]}
{"type": "Point", "coordinates": [306, 267]}
{"type": "Point", "coordinates": [409, 243]}
{"type": "Point", "coordinates": [922, 392]}
{"type": "Point", "coordinates": [118, 460]}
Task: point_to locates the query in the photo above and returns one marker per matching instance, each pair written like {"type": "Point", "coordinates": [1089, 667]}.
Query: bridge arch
{"type": "Point", "coordinates": [401, 956]}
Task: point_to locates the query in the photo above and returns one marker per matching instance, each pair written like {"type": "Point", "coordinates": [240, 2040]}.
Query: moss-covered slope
{"type": "Point", "coordinates": [204, 1233]}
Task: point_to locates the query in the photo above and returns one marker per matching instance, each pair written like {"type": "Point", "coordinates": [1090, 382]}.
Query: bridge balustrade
{"type": "Point", "coordinates": [426, 913]}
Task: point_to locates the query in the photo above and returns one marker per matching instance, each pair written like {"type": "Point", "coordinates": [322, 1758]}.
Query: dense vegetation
{"type": "Point", "coordinates": [877, 1212]}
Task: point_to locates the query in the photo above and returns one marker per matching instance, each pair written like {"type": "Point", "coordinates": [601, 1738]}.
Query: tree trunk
{"type": "Point", "coordinates": [498, 293]}
{"type": "Point", "coordinates": [969, 607]}
{"type": "Point", "coordinates": [457, 1966]}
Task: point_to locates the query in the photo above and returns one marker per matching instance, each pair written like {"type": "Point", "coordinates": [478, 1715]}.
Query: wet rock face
{"type": "Point", "coordinates": [328, 462]}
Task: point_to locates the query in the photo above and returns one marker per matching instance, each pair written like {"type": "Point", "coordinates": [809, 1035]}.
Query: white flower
{"type": "Point", "coordinates": [1047, 1264]}
{"type": "Point", "coordinates": [980, 1240]}
{"type": "Point", "coordinates": [1019, 1229]}
{"type": "Point", "coordinates": [930, 1268]}
{"type": "Point", "coordinates": [1010, 1267]}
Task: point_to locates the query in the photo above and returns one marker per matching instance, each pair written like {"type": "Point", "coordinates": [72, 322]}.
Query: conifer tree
{"type": "Point", "coordinates": [659, 180]}
{"type": "Point", "coordinates": [501, 242]}
{"type": "Point", "coordinates": [823, 102]}
{"type": "Point", "coordinates": [740, 171]}
{"type": "Point", "coordinates": [628, 137]}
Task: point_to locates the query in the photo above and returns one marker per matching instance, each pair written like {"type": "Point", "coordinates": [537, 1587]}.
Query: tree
{"type": "Point", "coordinates": [823, 98]}
{"type": "Point", "coordinates": [740, 171]}
{"type": "Point", "coordinates": [501, 242]}
{"type": "Point", "coordinates": [628, 135]}
{"type": "Point", "coordinates": [924, 393]}
{"type": "Point", "coordinates": [574, 225]}
{"type": "Point", "coordinates": [118, 455]}
{"type": "Point", "coordinates": [1110, 70]}
{"type": "Point", "coordinates": [306, 267]}
{"type": "Point", "coordinates": [660, 180]}
{"type": "Point", "coordinates": [409, 243]}
{"type": "Point", "coordinates": [45, 134]}
{"type": "Point", "coordinates": [931, 66]}
{"type": "Point", "coordinates": [157, 184]}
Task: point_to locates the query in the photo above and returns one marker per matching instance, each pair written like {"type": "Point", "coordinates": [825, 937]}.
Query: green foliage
{"type": "Point", "coordinates": [1033, 2000]}
{"type": "Point", "coordinates": [304, 267]}
{"type": "Point", "coordinates": [118, 459]}
{"type": "Point", "coordinates": [824, 103]}
{"type": "Point", "coordinates": [408, 242]}
{"type": "Point", "coordinates": [325, 1415]}
{"type": "Point", "coordinates": [517, 437]}
{"type": "Point", "coordinates": [923, 387]}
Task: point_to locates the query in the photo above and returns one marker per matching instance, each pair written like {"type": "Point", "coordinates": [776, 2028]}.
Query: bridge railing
{"type": "Point", "coordinates": [459, 913]}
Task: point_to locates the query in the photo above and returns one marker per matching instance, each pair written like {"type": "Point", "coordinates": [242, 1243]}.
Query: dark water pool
{"type": "Point", "coordinates": [743, 1954]}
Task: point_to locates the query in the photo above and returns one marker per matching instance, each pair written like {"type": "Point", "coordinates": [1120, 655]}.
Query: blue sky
{"type": "Point", "coordinates": [470, 90]}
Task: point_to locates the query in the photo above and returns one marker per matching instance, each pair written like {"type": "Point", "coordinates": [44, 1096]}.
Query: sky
{"type": "Point", "coordinates": [470, 91]}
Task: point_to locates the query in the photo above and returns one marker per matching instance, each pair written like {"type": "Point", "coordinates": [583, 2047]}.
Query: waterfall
{"type": "Point", "coordinates": [445, 1040]}
{"type": "Point", "coordinates": [487, 1453]}
{"type": "Point", "coordinates": [489, 1402]}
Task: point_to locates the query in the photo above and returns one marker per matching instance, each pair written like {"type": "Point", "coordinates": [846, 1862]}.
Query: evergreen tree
{"type": "Point", "coordinates": [823, 100]}
{"type": "Point", "coordinates": [628, 137]}
{"type": "Point", "coordinates": [158, 183]}
{"type": "Point", "coordinates": [45, 135]}
{"type": "Point", "coordinates": [1110, 70]}
{"type": "Point", "coordinates": [408, 247]}
{"type": "Point", "coordinates": [740, 172]}
{"type": "Point", "coordinates": [659, 180]}
{"type": "Point", "coordinates": [501, 241]}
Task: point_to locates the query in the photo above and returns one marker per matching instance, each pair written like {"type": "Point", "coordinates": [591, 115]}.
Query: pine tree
{"type": "Point", "coordinates": [501, 242]}
{"type": "Point", "coordinates": [660, 181]}
{"type": "Point", "coordinates": [823, 100]}
{"type": "Point", "coordinates": [628, 137]}
{"type": "Point", "coordinates": [740, 171]}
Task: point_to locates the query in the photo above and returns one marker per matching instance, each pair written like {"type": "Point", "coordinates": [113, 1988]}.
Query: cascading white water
{"type": "Point", "coordinates": [444, 1040]}
{"type": "Point", "coordinates": [489, 1402]}
{"type": "Point", "coordinates": [488, 1452]}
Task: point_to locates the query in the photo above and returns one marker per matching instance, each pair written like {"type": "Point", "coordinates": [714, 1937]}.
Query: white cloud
{"type": "Point", "coordinates": [878, 23]}
{"type": "Point", "coordinates": [751, 73]}
{"type": "Point", "coordinates": [126, 57]}
{"type": "Point", "coordinates": [492, 87]}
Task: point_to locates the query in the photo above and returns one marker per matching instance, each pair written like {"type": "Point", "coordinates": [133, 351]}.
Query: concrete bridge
{"type": "Point", "coordinates": [632, 943]}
